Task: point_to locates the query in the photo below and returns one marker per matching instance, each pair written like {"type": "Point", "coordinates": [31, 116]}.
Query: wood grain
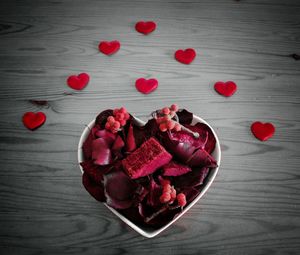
{"type": "Point", "coordinates": [251, 208]}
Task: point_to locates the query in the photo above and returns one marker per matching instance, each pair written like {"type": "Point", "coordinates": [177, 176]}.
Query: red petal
{"type": "Point", "coordinates": [101, 152]}
{"type": "Point", "coordinates": [96, 190]}
{"type": "Point", "coordinates": [119, 189]}
{"type": "Point", "coordinates": [118, 144]}
{"type": "Point", "coordinates": [201, 158]}
{"type": "Point", "coordinates": [175, 169]}
{"type": "Point", "coordinates": [130, 140]}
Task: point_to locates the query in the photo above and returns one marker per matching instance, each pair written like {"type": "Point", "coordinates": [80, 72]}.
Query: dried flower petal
{"type": "Point", "coordinates": [120, 190]}
{"type": "Point", "coordinates": [95, 190]}
{"type": "Point", "coordinates": [101, 153]}
{"type": "Point", "coordinates": [175, 169]}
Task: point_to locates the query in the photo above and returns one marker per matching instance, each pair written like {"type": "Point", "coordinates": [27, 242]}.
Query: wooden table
{"type": "Point", "coordinates": [253, 205]}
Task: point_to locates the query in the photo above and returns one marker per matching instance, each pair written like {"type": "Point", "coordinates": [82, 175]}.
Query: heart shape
{"type": "Point", "coordinates": [226, 89]}
{"type": "Point", "coordinates": [145, 27]}
{"type": "Point", "coordinates": [146, 231]}
{"type": "Point", "coordinates": [185, 56]}
{"type": "Point", "coordinates": [262, 131]}
{"type": "Point", "coordinates": [109, 48]}
{"type": "Point", "coordinates": [33, 120]}
{"type": "Point", "coordinates": [146, 86]}
{"type": "Point", "coordinates": [78, 82]}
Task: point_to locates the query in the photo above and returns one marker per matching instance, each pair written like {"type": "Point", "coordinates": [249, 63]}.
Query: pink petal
{"type": "Point", "coordinates": [101, 152]}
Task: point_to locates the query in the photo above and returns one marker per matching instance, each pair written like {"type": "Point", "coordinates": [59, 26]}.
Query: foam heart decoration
{"type": "Point", "coordinates": [185, 56]}
{"type": "Point", "coordinates": [226, 89]}
{"type": "Point", "coordinates": [109, 48]}
{"type": "Point", "coordinates": [78, 82]}
{"type": "Point", "coordinates": [146, 231]}
{"type": "Point", "coordinates": [146, 86]}
{"type": "Point", "coordinates": [33, 120]}
{"type": "Point", "coordinates": [262, 131]}
{"type": "Point", "coordinates": [145, 27]}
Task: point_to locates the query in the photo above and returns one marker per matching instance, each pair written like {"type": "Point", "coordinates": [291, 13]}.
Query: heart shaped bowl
{"type": "Point", "coordinates": [150, 232]}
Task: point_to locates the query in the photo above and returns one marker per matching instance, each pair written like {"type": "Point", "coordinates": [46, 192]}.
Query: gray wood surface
{"type": "Point", "coordinates": [253, 206]}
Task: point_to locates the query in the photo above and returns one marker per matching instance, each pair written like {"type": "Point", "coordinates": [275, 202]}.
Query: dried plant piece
{"type": "Point", "coordinates": [175, 169]}
{"type": "Point", "coordinates": [120, 190]}
{"type": "Point", "coordinates": [146, 159]}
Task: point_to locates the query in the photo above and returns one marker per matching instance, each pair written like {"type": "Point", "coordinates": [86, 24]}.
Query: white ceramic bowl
{"type": "Point", "coordinates": [148, 232]}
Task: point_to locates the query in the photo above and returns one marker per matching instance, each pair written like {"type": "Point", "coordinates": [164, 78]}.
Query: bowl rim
{"type": "Point", "coordinates": [210, 178]}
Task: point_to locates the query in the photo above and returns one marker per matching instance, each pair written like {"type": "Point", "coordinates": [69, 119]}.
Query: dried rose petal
{"type": "Point", "coordinates": [120, 190]}
{"type": "Point", "coordinates": [93, 171]}
{"type": "Point", "coordinates": [142, 134]}
{"type": "Point", "coordinates": [155, 191]}
{"type": "Point", "coordinates": [95, 190]}
{"type": "Point", "coordinates": [87, 146]}
{"type": "Point", "coordinates": [191, 194]}
{"type": "Point", "coordinates": [118, 144]}
{"type": "Point", "coordinates": [201, 158]}
{"type": "Point", "coordinates": [191, 179]}
{"type": "Point", "coordinates": [202, 129]}
{"type": "Point", "coordinates": [102, 117]}
{"type": "Point", "coordinates": [182, 144]}
{"type": "Point", "coordinates": [185, 117]}
{"type": "Point", "coordinates": [175, 169]}
{"type": "Point", "coordinates": [130, 140]}
{"type": "Point", "coordinates": [106, 135]}
{"type": "Point", "coordinates": [101, 152]}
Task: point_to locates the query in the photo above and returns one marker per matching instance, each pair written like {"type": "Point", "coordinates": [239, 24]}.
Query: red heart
{"type": "Point", "coordinates": [185, 56]}
{"type": "Point", "coordinates": [33, 120]}
{"type": "Point", "coordinates": [146, 86]}
{"type": "Point", "coordinates": [109, 48]}
{"type": "Point", "coordinates": [262, 131]}
{"type": "Point", "coordinates": [145, 27]}
{"type": "Point", "coordinates": [78, 82]}
{"type": "Point", "coordinates": [226, 89]}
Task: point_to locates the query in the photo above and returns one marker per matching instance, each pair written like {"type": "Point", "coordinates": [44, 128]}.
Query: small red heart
{"type": "Point", "coordinates": [185, 56]}
{"type": "Point", "coordinates": [145, 27]}
{"type": "Point", "coordinates": [109, 48]}
{"type": "Point", "coordinates": [262, 131]}
{"type": "Point", "coordinates": [78, 82]}
{"type": "Point", "coordinates": [33, 120]}
{"type": "Point", "coordinates": [146, 86]}
{"type": "Point", "coordinates": [226, 89]}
